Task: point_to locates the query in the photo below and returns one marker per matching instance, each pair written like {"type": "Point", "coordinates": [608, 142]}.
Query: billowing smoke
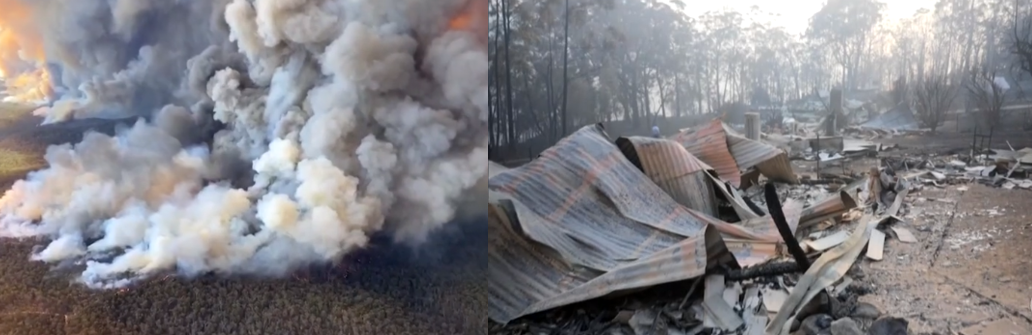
{"type": "Point", "coordinates": [277, 133]}
{"type": "Point", "coordinates": [122, 58]}
{"type": "Point", "coordinates": [22, 72]}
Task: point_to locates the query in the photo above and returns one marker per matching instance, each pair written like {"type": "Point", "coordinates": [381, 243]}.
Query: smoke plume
{"type": "Point", "coordinates": [22, 72]}
{"type": "Point", "coordinates": [274, 134]}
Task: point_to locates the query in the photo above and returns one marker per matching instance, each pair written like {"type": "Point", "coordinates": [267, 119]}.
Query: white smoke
{"type": "Point", "coordinates": [357, 117]}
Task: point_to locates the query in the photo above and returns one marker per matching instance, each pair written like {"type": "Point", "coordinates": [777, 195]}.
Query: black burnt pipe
{"type": "Point", "coordinates": [762, 271]}
{"type": "Point", "coordinates": [770, 193]}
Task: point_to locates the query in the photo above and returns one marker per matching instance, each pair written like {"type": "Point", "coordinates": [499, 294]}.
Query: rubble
{"type": "Point", "coordinates": [845, 326]}
{"type": "Point", "coordinates": [999, 168]}
{"type": "Point", "coordinates": [888, 326]}
{"type": "Point", "coordinates": [708, 214]}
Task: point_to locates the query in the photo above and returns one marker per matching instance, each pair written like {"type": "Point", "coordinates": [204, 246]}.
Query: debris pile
{"type": "Point", "coordinates": [722, 221]}
{"type": "Point", "coordinates": [1008, 169]}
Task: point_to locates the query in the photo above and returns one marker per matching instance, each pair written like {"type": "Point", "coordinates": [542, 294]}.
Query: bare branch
{"type": "Point", "coordinates": [933, 96]}
{"type": "Point", "coordinates": [986, 94]}
{"type": "Point", "coordinates": [1021, 40]}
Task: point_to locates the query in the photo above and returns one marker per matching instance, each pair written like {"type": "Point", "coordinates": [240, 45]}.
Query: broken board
{"type": "Point", "coordinates": [773, 299]}
{"type": "Point", "coordinates": [904, 235]}
{"type": "Point", "coordinates": [876, 246]}
{"type": "Point", "coordinates": [754, 317]}
{"type": "Point", "coordinates": [829, 241]}
{"type": "Point", "coordinates": [718, 313]}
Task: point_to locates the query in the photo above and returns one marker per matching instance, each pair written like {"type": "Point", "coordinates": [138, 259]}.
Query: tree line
{"type": "Point", "coordinates": [560, 64]}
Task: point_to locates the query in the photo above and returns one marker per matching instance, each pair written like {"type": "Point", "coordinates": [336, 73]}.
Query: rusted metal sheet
{"type": "Point", "coordinates": [583, 199]}
{"type": "Point", "coordinates": [768, 159]}
{"type": "Point", "coordinates": [709, 144]}
{"type": "Point", "coordinates": [778, 168]}
{"type": "Point", "coordinates": [686, 179]}
{"type": "Point", "coordinates": [734, 198]}
{"type": "Point", "coordinates": [730, 153]}
{"type": "Point", "coordinates": [525, 278]}
{"type": "Point", "coordinates": [833, 205]}
{"type": "Point", "coordinates": [673, 169]}
{"type": "Point", "coordinates": [582, 222]}
{"type": "Point", "coordinates": [747, 153]}
{"type": "Point", "coordinates": [755, 240]}
{"type": "Point", "coordinates": [585, 187]}
{"type": "Point", "coordinates": [531, 272]}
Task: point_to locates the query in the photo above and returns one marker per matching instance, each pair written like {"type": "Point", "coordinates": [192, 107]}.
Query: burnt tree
{"type": "Point", "coordinates": [1021, 38]}
{"type": "Point", "coordinates": [933, 96]}
{"type": "Point", "coordinates": [986, 94]}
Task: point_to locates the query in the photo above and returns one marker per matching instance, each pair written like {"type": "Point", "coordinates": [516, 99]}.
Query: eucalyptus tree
{"type": "Point", "coordinates": [842, 28]}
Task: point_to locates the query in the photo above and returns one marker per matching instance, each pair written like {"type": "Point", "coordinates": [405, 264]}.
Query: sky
{"type": "Point", "coordinates": [794, 15]}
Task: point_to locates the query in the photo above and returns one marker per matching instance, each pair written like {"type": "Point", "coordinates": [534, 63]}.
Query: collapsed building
{"type": "Point", "coordinates": [592, 218]}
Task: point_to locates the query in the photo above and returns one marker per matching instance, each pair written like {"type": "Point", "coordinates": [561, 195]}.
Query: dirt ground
{"type": "Point", "coordinates": [970, 271]}
{"type": "Point", "coordinates": [968, 267]}
{"type": "Point", "coordinates": [386, 290]}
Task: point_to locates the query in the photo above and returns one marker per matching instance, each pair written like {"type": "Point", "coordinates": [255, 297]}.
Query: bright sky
{"type": "Point", "coordinates": [795, 15]}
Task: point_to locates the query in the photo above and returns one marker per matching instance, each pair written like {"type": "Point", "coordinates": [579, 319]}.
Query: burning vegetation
{"type": "Point", "coordinates": [22, 71]}
{"type": "Point", "coordinates": [273, 136]}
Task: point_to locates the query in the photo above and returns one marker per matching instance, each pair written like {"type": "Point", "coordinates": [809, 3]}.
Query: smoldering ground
{"type": "Point", "coordinates": [346, 119]}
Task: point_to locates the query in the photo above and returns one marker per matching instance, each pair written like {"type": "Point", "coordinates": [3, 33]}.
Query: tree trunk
{"type": "Point", "coordinates": [662, 97]}
{"type": "Point", "coordinates": [550, 91]}
{"type": "Point", "coordinates": [645, 90]}
{"type": "Point", "coordinates": [566, 59]}
{"type": "Point", "coordinates": [511, 141]}
{"type": "Point", "coordinates": [677, 96]}
{"type": "Point", "coordinates": [497, 103]}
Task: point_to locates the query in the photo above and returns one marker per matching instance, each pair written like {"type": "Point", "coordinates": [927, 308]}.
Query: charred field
{"type": "Point", "coordinates": [384, 289]}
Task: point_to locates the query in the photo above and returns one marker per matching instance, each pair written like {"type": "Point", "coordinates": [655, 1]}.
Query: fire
{"type": "Point", "coordinates": [473, 18]}
{"type": "Point", "coordinates": [23, 73]}
{"type": "Point", "coordinates": [461, 21]}
{"type": "Point", "coordinates": [28, 86]}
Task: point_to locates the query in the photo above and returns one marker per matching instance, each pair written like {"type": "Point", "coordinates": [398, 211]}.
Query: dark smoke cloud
{"type": "Point", "coordinates": [123, 57]}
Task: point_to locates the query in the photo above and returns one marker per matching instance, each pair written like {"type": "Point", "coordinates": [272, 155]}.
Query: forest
{"type": "Point", "coordinates": [557, 65]}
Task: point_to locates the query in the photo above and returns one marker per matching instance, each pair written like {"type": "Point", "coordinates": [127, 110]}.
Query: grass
{"type": "Point", "coordinates": [17, 159]}
{"type": "Point", "coordinates": [11, 112]}
{"type": "Point", "coordinates": [377, 296]}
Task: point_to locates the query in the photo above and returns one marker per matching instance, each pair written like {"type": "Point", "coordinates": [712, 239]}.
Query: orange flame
{"type": "Point", "coordinates": [22, 58]}
{"type": "Point", "coordinates": [461, 21]}
{"type": "Point", "coordinates": [473, 18]}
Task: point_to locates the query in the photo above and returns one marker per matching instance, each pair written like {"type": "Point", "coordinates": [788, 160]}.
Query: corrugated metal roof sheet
{"type": "Point", "coordinates": [747, 153]}
{"type": "Point", "coordinates": [584, 222]}
{"type": "Point", "coordinates": [779, 168]}
{"type": "Point", "coordinates": [768, 159]}
{"type": "Point", "coordinates": [832, 205]}
{"type": "Point", "coordinates": [730, 153]}
{"type": "Point", "coordinates": [673, 169]}
{"type": "Point", "coordinates": [709, 144]}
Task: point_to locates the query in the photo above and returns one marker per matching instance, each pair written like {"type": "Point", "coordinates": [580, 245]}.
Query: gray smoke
{"type": "Point", "coordinates": [123, 57]}
{"type": "Point", "coordinates": [279, 133]}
